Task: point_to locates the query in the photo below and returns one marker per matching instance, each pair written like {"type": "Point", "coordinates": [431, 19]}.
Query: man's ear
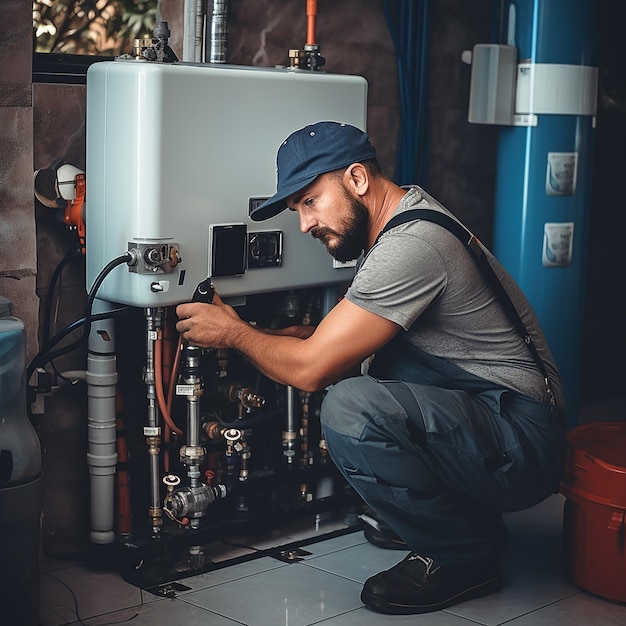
{"type": "Point", "coordinates": [356, 179]}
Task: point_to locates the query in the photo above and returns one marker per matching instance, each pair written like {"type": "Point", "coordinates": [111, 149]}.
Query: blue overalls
{"type": "Point", "coordinates": [439, 453]}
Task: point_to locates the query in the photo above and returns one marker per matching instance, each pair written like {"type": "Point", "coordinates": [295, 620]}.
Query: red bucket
{"type": "Point", "coordinates": [594, 516]}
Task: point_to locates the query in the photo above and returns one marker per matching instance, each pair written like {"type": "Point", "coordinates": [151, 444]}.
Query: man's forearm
{"type": "Point", "coordinates": [278, 355]}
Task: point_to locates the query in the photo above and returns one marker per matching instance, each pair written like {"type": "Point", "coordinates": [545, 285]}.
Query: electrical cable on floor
{"type": "Point", "coordinates": [76, 611]}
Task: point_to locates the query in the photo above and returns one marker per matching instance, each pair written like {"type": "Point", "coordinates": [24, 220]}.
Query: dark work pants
{"type": "Point", "coordinates": [440, 465]}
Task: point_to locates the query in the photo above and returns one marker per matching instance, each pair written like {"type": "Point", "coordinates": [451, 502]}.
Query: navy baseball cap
{"type": "Point", "coordinates": [313, 150]}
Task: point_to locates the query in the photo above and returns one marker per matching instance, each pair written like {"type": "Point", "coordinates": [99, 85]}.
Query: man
{"type": "Point", "coordinates": [457, 422]}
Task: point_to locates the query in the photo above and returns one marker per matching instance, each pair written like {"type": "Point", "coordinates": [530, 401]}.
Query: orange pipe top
{"type": "Point", "coordinates": [311, 12]}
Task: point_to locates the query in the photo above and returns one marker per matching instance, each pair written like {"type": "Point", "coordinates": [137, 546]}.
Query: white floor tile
{"type": "Point", "coordinates": [365, 617]}
{"type": "Point", "coordinates": [523, 593]}
{"type": "Point", "coordinates": [357, 563]}
{"type": "Point", "coordinates": [576, 610]}
{"type": "Point", "coordinates": [72, 593]}
{"type": "Point", "coordinates": [295, 595]}
{"type": "Point", "coordinates": [163, 613]}
{"type": "Point", "coordinates": [233, 572]}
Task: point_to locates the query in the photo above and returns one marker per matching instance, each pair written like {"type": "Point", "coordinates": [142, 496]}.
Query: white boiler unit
{"type": "Point", "coordinates": [177, 154]}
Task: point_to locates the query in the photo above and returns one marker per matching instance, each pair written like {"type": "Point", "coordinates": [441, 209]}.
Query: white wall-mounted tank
{"type": "Point", "coordinates": [175, 149]}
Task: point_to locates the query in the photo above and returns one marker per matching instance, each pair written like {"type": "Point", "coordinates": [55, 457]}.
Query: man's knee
{"type": "Point", "coordinates": [345, 408]}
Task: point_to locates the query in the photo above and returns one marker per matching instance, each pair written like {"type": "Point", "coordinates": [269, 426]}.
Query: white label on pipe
{"type": "Point", "coordinates": [558, 243]}
{"type": "Point", "coordinates": [561, 173]}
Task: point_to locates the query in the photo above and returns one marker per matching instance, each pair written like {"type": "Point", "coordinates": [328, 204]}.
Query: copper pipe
{"type": "Point", "coordinates": [311, 12]}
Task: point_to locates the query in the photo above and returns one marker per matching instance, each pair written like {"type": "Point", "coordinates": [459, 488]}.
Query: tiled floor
{"type": "Point", "coordinates": [324, 587]}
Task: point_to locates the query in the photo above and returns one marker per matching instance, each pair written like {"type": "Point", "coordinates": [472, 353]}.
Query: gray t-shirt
{"type": "Point", "coordinates": [421, 277]}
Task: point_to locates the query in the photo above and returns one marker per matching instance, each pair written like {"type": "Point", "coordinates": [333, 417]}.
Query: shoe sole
{"type": "Point", "coordinates": [381, 605]}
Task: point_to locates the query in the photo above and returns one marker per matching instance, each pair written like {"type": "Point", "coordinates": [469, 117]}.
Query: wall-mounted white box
{"type": "Point", "coordinates": [174, 148]}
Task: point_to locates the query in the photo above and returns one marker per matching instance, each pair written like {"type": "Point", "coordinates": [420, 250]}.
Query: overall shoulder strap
{"type": "Point", "coordinates": [456, 228]}
{"type": "Point", "coordinates": [477, 253]}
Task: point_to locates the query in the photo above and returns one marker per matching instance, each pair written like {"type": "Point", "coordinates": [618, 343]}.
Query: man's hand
{"type": "Point", "coordinates": [207, 325]}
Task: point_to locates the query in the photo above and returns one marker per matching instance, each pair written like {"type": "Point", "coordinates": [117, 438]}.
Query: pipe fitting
{"type": "Point", "coordinates": [191, 455]}
{"type": "Point", "coordinates": [193, 502]}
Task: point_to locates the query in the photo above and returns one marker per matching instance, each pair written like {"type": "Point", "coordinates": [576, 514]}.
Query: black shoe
{"type": "Point", "coordinates": [418, 585]}
{"type": "Point", "coordinates": [384, 538]}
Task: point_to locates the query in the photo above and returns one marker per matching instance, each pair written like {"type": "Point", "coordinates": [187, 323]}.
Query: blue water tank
{"type": "Point", "coordinates": [544, 170]}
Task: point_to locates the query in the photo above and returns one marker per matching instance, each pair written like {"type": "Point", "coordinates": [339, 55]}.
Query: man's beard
{"type": "Point", "coordinates": [353, 240]}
